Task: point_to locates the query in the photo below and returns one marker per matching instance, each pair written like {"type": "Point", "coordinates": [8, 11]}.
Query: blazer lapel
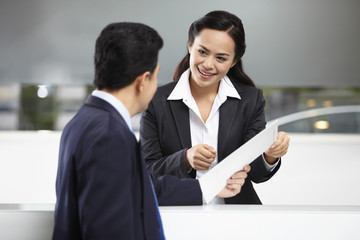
{"type": "Point", "coordinates": [226, 120]}
{"type": "Point", "coordinates": [180, 113]}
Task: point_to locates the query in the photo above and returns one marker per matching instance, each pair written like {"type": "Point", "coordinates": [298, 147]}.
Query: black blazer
{"type": "Point", "coordinates": [165, 135]}
{"type": "Point", "coordinates": [103, 187]}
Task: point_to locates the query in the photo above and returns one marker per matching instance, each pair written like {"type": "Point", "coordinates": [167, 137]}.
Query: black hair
{"type": "Point", "coordinates": [124, 51]}
{"type": "Point", "coordinates": [221, 21]}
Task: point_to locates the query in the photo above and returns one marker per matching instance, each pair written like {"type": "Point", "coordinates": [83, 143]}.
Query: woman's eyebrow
{"type": "Point", "coordinates": [221, 54]}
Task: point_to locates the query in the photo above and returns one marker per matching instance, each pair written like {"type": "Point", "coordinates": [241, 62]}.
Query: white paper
{"type": "Point", "coordinates": [215, 179]}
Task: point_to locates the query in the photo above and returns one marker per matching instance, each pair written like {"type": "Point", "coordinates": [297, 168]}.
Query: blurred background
{"type": "Point", "coordinates": [303, 54]}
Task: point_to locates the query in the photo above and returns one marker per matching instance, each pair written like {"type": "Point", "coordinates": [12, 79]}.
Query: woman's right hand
{"type": "Point", "coordinates": [235, 183]}
{"type": "Point", "coordinates": [200, 157]}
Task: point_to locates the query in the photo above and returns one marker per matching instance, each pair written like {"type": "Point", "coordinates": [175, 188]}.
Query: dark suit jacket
{"type": "Point", "coordinates": [103, 187]}
{"type": "Point", "coordinates": [165, 135]}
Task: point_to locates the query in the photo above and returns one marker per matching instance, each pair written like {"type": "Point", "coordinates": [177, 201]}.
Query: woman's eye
{"type": "Point", "coordinates": [221, 59]}
{"type": "Point", "coordinates": [202, 52]}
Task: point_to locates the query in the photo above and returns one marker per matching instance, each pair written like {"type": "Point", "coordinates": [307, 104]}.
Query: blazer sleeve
{"type": "Point", "coordinates": [172, 191]}
{"type": "Point", "coordinates": [158, 162]}
{"type": "Point", "coordinates": [257, 123]}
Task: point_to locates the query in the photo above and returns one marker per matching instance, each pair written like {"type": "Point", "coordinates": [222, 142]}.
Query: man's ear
{"type": "Point", "coordinates": [140, 81]}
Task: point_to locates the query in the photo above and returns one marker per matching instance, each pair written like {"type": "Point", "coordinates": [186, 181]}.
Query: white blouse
{"type": "Point", "coordinates": [205, 132]}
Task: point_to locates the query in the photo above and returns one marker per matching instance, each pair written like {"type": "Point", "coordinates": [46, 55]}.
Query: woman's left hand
{"type": "Point", "coordinates": [278, 149]}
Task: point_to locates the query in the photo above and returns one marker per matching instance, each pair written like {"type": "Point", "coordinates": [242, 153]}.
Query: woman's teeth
{"type": "Point", "coordinates": [206, 74]}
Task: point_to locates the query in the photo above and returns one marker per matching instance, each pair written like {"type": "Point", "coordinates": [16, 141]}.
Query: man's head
{"type": "Point", "coordinates": [124, 51]}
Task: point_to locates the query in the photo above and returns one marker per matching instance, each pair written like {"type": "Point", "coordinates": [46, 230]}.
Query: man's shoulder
{"type": "Point", "coordinates": [92, 119]}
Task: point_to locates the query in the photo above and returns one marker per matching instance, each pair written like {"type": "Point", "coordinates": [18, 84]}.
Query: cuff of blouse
{"type": "Point", "coordinates": [269, 167]}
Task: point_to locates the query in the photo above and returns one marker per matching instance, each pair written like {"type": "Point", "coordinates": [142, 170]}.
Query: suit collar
{"type": "Point", "coordinates": [102, 104]}
{"type": "Point", "coordinates": [116, 103]}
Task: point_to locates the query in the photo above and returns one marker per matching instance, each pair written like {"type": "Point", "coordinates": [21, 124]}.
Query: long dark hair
{"type": "Point", "coordinates": [221, 21]}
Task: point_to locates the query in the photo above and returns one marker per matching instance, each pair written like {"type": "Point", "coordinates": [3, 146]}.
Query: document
{"type": "Point", "coordinates": [215, 179]}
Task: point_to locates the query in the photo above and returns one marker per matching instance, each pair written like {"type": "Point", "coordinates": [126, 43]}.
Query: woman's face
{"type": "Point", "coordinates": [211, 56]}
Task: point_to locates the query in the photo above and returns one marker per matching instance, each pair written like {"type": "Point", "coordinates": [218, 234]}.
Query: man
{"type": "Point", "coordinates": [103, 188]}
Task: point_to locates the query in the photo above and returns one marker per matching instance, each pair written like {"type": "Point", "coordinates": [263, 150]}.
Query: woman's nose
{"type": "Point", "coordinates": [208, 63]}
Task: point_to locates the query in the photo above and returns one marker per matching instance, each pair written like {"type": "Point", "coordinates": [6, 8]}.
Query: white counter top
{"type": "Point", "coordinates": [35, 222]}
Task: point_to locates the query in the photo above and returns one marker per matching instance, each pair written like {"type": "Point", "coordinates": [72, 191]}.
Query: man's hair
{"type": "Point", "coordinates": [124, 51]}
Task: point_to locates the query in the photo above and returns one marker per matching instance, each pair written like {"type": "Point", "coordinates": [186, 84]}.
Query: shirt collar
{"type": "Point", "coordinates": [116, 103]}
{"type": "Point", "coordinates": [182, 89]}
{"type": "Point", "coordinates": [227, 89]}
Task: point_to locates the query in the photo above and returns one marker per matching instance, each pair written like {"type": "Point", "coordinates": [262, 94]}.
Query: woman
{"type": "Point", "coordinates": [210, 110]}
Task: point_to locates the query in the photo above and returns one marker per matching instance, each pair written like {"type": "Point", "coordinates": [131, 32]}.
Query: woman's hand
{"type": "Point", "coordinates": [234, 183]}
{"type": "Point", "coordinates": [278, 149]}
{"type": "Point", "coordinates": [200, 157]}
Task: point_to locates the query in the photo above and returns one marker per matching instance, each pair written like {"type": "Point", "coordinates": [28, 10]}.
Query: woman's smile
{"type": "Point", "coordinates": [211, 56]}
{"type": "Point", "coordinates": [205, 74]}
